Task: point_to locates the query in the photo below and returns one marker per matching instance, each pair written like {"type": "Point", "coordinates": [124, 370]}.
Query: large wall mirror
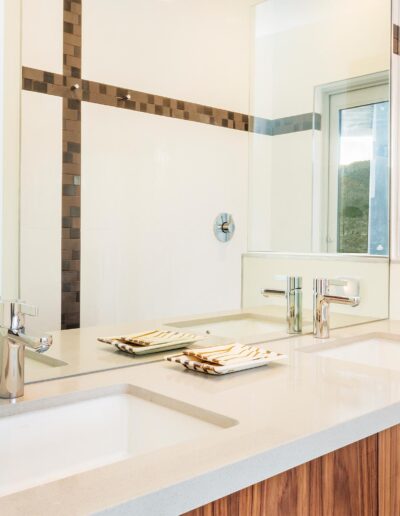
{"type": "Point", "coordinates": [108, 213]}
{"type": "Point", "coordinates": [319, 176]}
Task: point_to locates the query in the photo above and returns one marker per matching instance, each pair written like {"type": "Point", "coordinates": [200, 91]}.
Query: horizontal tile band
{"type": "Point", "coordinates": [43, 82]}
{"type": "Point", "coordinates": [108, 95]}
{"type": "Point", "coordinates": [286, 125]}
{"type": "Point", "coordinates": [164, 106]}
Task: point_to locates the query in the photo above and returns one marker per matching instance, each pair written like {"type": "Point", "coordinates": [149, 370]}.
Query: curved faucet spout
{"type": "Point", "coordinates": [38, 344]}
{"type": "Point", "coordinates": [13, 341]}
{"type": "Point", "coordinates": [323, 297]}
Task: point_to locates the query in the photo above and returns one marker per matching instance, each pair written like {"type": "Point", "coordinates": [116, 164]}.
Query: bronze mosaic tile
{"type": "Point", "coordinates": [71, 166]}
{"type": "Point", "coordinates": [396, 39]}
{"type": "Point", "coordinates": [41, 81]}
{"type": "Point", "coordinates": [162, 106]}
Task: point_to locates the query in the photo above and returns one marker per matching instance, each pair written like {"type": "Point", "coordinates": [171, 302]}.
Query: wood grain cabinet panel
{"type": "Point", "coordinates": [341, 483]}
{"type": "Point", "coordinates": [389, 472]}
{"type": "Point", "coordinates": [349, 480]}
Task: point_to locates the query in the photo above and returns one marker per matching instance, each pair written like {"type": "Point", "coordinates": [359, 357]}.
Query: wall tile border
{"type": "Point", "coordinates": [73, 90]}
{"type": "Point", "coordinates": [43, 82]}
{"type": "Point", "coordinates": [114, 96]}
{"type": "Point", "coordinates": [286, 125]}
{"type": "Point", "coordinates": [71, 166]}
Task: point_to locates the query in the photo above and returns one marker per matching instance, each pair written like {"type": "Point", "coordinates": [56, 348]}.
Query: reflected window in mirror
{"type": "Point", "coordinates": [354, 165]}
{"type": "Point", "coordinates": [319, 143]}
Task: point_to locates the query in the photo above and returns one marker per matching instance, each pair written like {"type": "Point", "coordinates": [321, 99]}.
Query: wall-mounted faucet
{"type": "Point", "coordinates": [343, 291]}
{"type": "Point", "coordinates": [12, 347]}
{"type": "Point", "coordinates": [294, 301]}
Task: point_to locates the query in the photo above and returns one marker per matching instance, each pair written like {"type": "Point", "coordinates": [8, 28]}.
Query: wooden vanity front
{"type": "Point", "coordinates": [362, 479]}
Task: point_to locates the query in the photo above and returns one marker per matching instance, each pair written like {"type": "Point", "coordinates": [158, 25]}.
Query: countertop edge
{"type": "Point", "coordinates": [198, 491]}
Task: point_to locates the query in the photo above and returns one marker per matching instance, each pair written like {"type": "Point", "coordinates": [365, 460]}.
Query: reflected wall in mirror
{"type": "Point", "coordinates": [320, 151]}
{"type": "Point", "coordinates": [10, 86]}
{"type": "Point", "coordinates": [125, 163]}
{"type": "Point", "coordinates": [131, 168]}
{"type": "Point", "coordinates": [319, 169]}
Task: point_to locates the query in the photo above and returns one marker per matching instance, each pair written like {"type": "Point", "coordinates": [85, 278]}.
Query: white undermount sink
{"type": "Point", "coordinates": [373, 349]}
{"type": "Point", "coordinates": [234, 326]}
{"type": "Point", "coordinates": [82, 431]}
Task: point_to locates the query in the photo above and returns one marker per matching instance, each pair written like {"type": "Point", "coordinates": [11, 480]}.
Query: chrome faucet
{"type": "Point", "coordinates": [294, 301]}
{"type": "Point", "coordinates": [12, 347]}
{"type": "Point", "coordinates": [343, 291]}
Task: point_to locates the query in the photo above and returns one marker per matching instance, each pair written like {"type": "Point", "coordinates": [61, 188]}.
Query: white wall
{"type": "Point", "coordinates": [42, 34]}
{"type": "Point", "coordinates": [395, 290]}
{"type": "Point", "coordinates": [9, 162]}
{"type": "Point", "coordinates": [151, 188]}
{"type": "Point", "coordinates": [395, 181]}
{"type": "Point", "coordinates": [2, 131]}
{"type": "Point", "coordinates": [196, 50]}
{"type": "Point", "coordinates": [320, 42]}
{"type": "Point", "coordinates": [41, 178]}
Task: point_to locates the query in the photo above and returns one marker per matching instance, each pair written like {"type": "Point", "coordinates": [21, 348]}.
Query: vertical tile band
{"type": "Point", "coordinates": [396, 37]}
{"type": "Point", "coordinates": [71, 166]}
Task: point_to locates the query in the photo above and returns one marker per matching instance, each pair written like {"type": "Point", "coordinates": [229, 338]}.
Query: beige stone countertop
{"type": "Point", "coordinates": [77, 352]}
{"type": "Point", "coordinates": [287, 413]}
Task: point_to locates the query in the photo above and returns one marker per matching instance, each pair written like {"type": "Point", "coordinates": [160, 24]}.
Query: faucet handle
{"type": "Point", "coordinates": [337, 282]}
{"type": "Point", "coordinates": [30, 310]}
{"type": "Point", "coordinates": [342, 286]}
{"type": "Point", "coordinates": [14, 312]}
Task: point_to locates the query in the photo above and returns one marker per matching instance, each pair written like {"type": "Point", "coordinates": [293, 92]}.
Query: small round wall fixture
{"type": "Point", "coordinates": [224, 227]}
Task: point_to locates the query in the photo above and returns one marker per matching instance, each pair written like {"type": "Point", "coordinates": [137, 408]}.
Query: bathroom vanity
{"type": "Point", "coordinates": [131, 136]}
{"type": "Point", "coordinates": [316, 430]}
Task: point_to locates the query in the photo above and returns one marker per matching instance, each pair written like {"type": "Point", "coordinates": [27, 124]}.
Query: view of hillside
{"type": "Point", "coordinates": [353, 207]}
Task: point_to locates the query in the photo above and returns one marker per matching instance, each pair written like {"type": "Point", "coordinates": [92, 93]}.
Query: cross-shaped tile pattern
{"type": "Point", "coordinates": [74, 90]}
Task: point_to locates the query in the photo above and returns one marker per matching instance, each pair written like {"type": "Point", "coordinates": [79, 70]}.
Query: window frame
{"type": "Point", "coordinates": [338, 102]}
{"type": "Point", "coordinates": [323, 200]}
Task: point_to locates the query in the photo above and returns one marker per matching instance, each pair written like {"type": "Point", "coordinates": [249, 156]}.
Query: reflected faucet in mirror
{"type": "Point", "coordinates": [13, 341]}
{"type": "Point", "coordinates": [343, 291]}
{"type": "Point", "coordinates": [294, 301]}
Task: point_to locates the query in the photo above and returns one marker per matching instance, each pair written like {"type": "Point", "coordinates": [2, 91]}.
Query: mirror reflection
{"type": "Point", "coordinates": [319, 167]}
{"type": "Point", "coordinates": [129, 195]}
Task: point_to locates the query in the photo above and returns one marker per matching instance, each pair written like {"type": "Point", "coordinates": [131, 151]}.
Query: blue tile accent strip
{"type": "Point", "coordinates": [287, 125]}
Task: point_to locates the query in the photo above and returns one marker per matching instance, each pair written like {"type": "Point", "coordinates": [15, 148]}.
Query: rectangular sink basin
{"type": "Point", "coordinates": [374, 349]}
{"type": "Point", "coordinates": [83, 431]}
{"type": "Point", "coordinates": [234, 326]}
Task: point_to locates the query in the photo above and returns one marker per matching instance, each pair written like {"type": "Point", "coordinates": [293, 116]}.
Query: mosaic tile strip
{"type": "Point", "coordinates": [297, 123]}
{"type": "Point", "coordinates": [114, 96]}
{"type": "Point", "coordinates": [71, 213]}
{"type": "Point", "coordinates": [396, 39]}
{"type": "Point", "coordinates": [164, 106]}
{"type": "Point", "coordinates": [43, 82]}
{"type": "Point", "coordinates": [287, 125]}
{"type": "Point", "coordinates": [71, 166]}
{"type": "Point", "coordinates": [72, 46]}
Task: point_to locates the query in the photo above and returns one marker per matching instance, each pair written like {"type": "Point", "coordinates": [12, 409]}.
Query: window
{"type": "Point", "coordinates": [358, 147]}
